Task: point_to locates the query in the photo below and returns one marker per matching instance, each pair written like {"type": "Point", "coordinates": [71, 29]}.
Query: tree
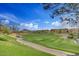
{"type": "Point", "coordinates": [11, 26]}
{"type": "Point", "coordinates": [67, 12]}
{"type": "Point", "coordinates": [6, 29]}
{"type": "Point", "coordinates": [65, 9]}
{"type": "Point", "coordinates": [0, 25]}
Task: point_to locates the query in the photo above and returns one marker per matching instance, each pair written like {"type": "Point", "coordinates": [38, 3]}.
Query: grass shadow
{"type": "Point", "coordinates": [2, 39]}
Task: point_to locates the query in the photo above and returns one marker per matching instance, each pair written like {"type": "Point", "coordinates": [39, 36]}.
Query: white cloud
{"type": "Point", "coordinates": [21, 24]}
{"type": "Point", "coordinates": [69, 27]}
{"type": "Point", "coordinates": [46, 22]}
{"type": "Point", "coordinates": [56, 23]}
{"type": "Point", "coordinates": [7, 21]}
{"type": "Point", "coordinates": [36, 26]}
{"type": "Point", "coordinates": [30, 26]}
{"type": "Point", "coordinates": [9, 17]}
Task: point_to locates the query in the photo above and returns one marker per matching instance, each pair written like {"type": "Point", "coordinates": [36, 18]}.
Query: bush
{"type": "Point", "coordinates": [2, 39]}
{"type": "Point", "coordinates": [71, 36]}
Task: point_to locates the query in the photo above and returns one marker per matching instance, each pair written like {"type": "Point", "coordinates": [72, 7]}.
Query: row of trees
{"type": "Point", "coordinates": [7, 28]}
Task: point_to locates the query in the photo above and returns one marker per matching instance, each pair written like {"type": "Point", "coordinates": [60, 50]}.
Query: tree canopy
{"type": "Point", "coordinates": [67, 12]}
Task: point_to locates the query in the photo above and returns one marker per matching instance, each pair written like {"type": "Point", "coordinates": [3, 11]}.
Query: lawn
{"type": "Point", "coordinates": [9, 47]}
{"type": "Point", "coordinates": [53, 41]}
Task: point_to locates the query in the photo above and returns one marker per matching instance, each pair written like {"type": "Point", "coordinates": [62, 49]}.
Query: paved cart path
{"type": "Point", "coordinates": [43, 48]}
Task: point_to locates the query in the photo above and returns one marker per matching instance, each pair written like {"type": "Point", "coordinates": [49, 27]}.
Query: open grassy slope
{"type": "Point", "coordinates": [53, 41]}
{"type": "Point", "coordinates": [9, 47]}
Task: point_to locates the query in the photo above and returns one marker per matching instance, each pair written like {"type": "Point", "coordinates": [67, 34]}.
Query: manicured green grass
{"type": "Point", "coordinates": [53, 41]}
{"type": "Point", "coordinates": [9, 47]}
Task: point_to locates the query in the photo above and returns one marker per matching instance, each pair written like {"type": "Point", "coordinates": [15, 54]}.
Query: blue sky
{"type": "Point", "coordinates": [29, 16]}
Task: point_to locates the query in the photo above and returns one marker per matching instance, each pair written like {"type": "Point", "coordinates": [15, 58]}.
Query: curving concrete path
{"type": "Point", "coordinates": [43, 48]}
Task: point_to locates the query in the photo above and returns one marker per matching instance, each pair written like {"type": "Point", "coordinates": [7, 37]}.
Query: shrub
{"type": "Point", "coordinates": [71, 36]}
{"type": "Point", "coordinates": [2, 39]}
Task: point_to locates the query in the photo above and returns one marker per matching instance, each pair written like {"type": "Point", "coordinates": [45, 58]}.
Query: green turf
{"type": "Point", "coordinates": [9, 47]}
{"type": "Point", "coordinates": [53, 41]}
